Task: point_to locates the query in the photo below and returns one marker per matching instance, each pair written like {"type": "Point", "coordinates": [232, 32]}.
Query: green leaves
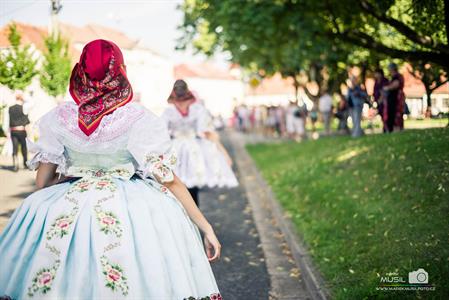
{"type": "Point", "coordinates": [56, 66]}
{"type": "Point", "coordinates": [17, 66]}
{"type": "Point", "coordinates": [320, 39]}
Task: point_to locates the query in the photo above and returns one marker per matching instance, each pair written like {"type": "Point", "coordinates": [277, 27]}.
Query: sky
{"type": "Point", "coordinates": [152, 21]}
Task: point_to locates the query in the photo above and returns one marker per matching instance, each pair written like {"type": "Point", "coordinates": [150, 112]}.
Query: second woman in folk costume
{"type": "Point", "coordinates": [395, 101]}
{"type": "Point", "coordinates": [111, 220]}
{"type": "Point", "coordinates": [202, 160]}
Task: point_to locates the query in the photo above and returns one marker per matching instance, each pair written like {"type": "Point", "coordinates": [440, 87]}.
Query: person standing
{"type": "Point", "coordinates": [111, 219]}
{"type": "Point", "coordinates": [313, 119]}
{"type": "Point", "coordinates": [342, 115]}
{"type": "Point", "coordinates": [325, 109]}
{"type": "Point", "coordinates": [356, 99]}
{"type": "Point", "coordinates": [394, 108]}
{"type": "Point", "coordinates": [203, 161]}
{"type": "Point", "coordinates": [289, 117]}
{"type": "Point", "coordinates": [18, 121]}
{"type": "Point", "coordinates": [379, 94]}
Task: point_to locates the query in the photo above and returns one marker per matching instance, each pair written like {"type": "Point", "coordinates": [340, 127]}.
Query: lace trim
{"type": "Point", "coordinates": [160, 166]}
{"type": "Point", "coordinates": [111, 126]}
{"type": "Point", "coordinates": [46, 157]}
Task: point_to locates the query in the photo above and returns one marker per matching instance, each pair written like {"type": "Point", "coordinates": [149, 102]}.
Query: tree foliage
{"type": "Point", "coordinates": [55, 70]}
{"type": "Point", "coordinates": [17, 66]}
{"type": "Point", "coordinates": [318, 38]}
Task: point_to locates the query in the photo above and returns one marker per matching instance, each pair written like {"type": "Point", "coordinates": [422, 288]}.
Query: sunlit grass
{"type": "Point", "coordinates": [368, 206]}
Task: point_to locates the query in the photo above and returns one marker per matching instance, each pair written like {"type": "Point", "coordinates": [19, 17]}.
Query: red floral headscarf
{"type": "Point", "coordinates": [181, 97]}
{"type": "Point", "coordinates": [180, 92]}
{"type": "Point", "coordinates": [99, 84]}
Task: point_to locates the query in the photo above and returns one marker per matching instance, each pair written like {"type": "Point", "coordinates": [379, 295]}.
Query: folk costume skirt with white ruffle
{"type": "Point", "coordinates": [104, 236]}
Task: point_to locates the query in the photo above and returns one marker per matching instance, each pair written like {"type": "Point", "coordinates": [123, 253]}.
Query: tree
{"type": "Point", "coordinates": [55, 70]}
{"type": "Point", "coordinates": [320, 39]}
{"type": "Point", "coordinates": [266, 37]}
{"type": "Point", "coordinates": [17, 66]}
{"type": "Point", "coordinates": [412, 30]}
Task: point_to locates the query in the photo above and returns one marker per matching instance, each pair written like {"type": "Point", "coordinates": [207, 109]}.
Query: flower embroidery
{"type": "Point", "coordinates": [124, 173]}
{"type": "Point", "coordinates": [80, 186]}
{"type": "Point", "coordinates": [214, 296]}
{"type": "Point", "coordinates": [114, 276]}
{"type": "Point", "coordinates": [43, 280]}
{"type": "Point", "coordinates": [108, 222]}
{"type": "Point", "coordinates": [105, 183]}
{"type": "Point", "coordinates": [161, 166]}
{"type": "Point", "coordinates": [61, 225]}
{"type": "Point", "coordinates": [164, 189]}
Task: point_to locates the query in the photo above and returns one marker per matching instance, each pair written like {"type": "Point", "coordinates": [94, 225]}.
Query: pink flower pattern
{"type": "Point", "coordinates": [43, 280]}
{"type": "Point", "coordinates": [114, 276]}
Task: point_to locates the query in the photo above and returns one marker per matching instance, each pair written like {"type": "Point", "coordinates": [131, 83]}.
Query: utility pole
{"type": "Point", "coordinates": [56, 6]}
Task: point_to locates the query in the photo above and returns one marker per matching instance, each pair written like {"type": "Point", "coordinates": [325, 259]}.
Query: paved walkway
{"type": "Point", "coordinates": [14, 187]}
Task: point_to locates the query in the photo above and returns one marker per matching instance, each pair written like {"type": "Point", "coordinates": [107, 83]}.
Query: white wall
{"type": "Point", "coordinates": [279, 99]}
{"type": "Point", "coordinates": [151, 76]}
{"type": "Point", "coordinates": [218, 94]}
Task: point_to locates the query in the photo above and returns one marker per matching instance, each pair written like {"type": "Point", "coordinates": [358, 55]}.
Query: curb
{"type": "Point", "coordinates": [314, 283]}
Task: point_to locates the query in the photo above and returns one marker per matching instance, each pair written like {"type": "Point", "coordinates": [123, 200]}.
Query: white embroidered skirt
{"type": "Point", "coordinates": [104, 238]}
{"type": "Point", "coordinates": [200, 163]}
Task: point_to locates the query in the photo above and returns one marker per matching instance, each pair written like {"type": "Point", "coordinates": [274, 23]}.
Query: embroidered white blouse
{"type": "Point", "coordinates": [131, 134]}
{"type": "Point", "coordinates": [195, 123]}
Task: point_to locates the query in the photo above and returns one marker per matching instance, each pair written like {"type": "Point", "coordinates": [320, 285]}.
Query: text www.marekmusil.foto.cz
{"type": "Point", "coordinates": [417, 281]}
{"type": "Point", "coordinates": [406, 288]}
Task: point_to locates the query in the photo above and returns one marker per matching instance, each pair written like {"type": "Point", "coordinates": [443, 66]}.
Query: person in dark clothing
{"type": "Point", "coordinates": [380, 82]}
{"type": "Point", "coordinates": [394, 109]}
{"type": "Point", "coordinates": [17, 126]}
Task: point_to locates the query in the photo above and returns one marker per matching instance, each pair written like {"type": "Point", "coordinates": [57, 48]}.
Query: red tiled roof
{"type": "Point", "coordinates": [91, 32]}
{"type": "Point", "coordinates": [277, 85]}
{"type": "Point", "coordinates": [274, 85]}
{"type": "Point", "coordinates": [413, 87]}
{"type": "Point", "coordinates": [204, 70]}
{"type": "Point", "coordinates": [35, 35]}
{"type": "Point", "coordinates": [30, 35]}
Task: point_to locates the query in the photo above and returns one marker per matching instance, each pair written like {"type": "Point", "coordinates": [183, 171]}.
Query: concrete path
{"type": "Point", "coordinates": [292, 275]}
{"type": "Point", "coordinates": [14, 187]}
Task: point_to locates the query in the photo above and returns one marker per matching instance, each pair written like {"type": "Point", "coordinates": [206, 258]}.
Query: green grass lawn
{"type": "Point", "coordinates": [377, 123]}
{"type": "Point", "coordinates": [366, 207]}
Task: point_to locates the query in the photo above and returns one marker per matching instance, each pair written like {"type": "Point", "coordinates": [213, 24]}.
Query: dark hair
{"type": "Point", "coordinates": [180, 88]}
{"type": "Point", "coordinates": [393, 66]}
{"type": "Point", "coordinates": [380, 71]}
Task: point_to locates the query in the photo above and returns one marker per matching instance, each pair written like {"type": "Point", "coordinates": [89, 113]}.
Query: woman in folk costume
{"type": "Point", "coordinates": [393, 115]}
{"type": "Point", "coordinates": [110, 219]}
{"type": "Point", "coordinates": [202, 159]}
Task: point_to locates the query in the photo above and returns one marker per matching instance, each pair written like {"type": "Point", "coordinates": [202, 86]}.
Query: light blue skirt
{"type": "Point", "coordinates": [104, 238]}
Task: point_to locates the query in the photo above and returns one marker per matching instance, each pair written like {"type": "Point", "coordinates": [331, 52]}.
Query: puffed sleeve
{"type": "Point", "coordinates": [150, 145]}
{"type": "Point", "coordinates": [48, 148]}
{"type": "Point", "coordinates": [205, 122]}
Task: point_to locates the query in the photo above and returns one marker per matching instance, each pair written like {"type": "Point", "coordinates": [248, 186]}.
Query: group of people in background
{"type": "Point", "coordinates": [291, 121]}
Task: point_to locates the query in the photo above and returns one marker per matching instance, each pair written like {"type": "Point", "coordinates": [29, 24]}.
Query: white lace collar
{"type": "Point", "coordinates": [111, 126]}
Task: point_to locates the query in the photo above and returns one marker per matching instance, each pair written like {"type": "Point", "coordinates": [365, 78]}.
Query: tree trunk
{"type": "Point", "coordinates": [446, 23]}
{"type": "Point", "coordinates": [296, 86]}
{"type": "Point", "coordinates": [428, 112]}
